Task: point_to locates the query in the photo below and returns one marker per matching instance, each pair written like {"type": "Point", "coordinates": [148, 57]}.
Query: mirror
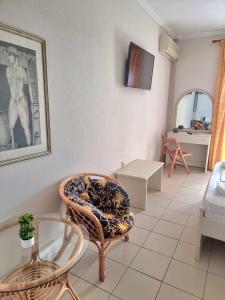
{"type": "Point", "coordinates": [194, 111]}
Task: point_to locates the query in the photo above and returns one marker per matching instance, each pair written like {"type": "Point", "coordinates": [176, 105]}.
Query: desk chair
{"type": "Point", "coordinates": [171, 147]}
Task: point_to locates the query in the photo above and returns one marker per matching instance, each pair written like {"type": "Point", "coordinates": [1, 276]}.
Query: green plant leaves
{"type": "Point", "coordinates": [27, 229]}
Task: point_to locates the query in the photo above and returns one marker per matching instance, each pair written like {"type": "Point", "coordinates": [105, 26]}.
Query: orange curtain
{"type": "Point", "coordinates": [217, 149]}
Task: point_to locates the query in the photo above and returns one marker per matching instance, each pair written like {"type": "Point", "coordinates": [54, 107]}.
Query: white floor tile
{"type": "Point", "coordinates": [84, 263]}
{"type": "Point", "coordinates": [87, 291]}
{"type": "Point", "coordinates": [193, 185]}
{"type": "Point", "coordinates": [191, 200]}
{"type": "Point", "coordinates": [195, 211]}
{"type": "Point", "coordinates": [181, 206]}
{"type": "Point", "coordinates": [174, 216]}
{"type": "Point", "coordinates": [165, 195]}
{"type": "Point", "coordinates": [217, 259]}
{"type": "Point", "coordinates": [161, 244]}
{"type": "Point", "coordinates": [189, 235]}
{"type": "Point", "coordinates": [159, 201]}
{"type": "Point", "coordinates": [214, 288]}
{"type": "Point", "coordinates": [114, 272]}
{"type": "Point", "coordinates": [171, 184]}
{"type": "Point", "coordinates": [186, 278]}
{"type": "Point", "coordinates": [151, 263]}
{"type": "Point", "coordinates": [193, 222]}
{"type": "Point", "coordinates": [135, 210]}
{"type": "Point", "coordinates": [153, 210]}
{"type": "Point", "coordinates": [122, 252]}
{"type": "Point", "coordinates": [190, 192]}
{"type": "Point", "coordinates": [138, 235]}
{"type": "Point", "coordinates": [169, 229]}
{"type": "Point", "coordinates": [145, 221]}
{"type": "Point", "coordinates": [168, 292]}
{"type": "Point", "coordinates": [135, 285]}
{"type": "Point", "coordinates": [186, 253]}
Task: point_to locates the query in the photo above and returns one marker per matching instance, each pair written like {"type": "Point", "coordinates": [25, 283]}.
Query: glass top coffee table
{"type": "Point", "coordinates": [41, 271]}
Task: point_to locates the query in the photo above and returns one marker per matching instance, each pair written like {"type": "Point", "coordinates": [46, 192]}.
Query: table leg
{"type": "Point", "coordinates": [207, 158]}
{"type": "Point", "coordinates": [200, 237]}
{"type": "Point", "coordinates": [71, 291]}
{"type": "Point", "coordinates": [137, 190]}
{"type": "Point", "coordinates": [155, 181]}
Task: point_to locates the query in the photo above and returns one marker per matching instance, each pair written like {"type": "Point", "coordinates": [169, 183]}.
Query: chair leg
{"type": "Point", "coordinates": [162, 154]}
{"type": "Point", "coordinates": [102, 262]}
{"type": "Point", "coordinates": [185, 164]}
{"type": "Point", "coordinates": [172, 165]}
{"type": "Point", "coordinates": [126, 238]}
{"type": "Point", "coordinates": [72, 292]}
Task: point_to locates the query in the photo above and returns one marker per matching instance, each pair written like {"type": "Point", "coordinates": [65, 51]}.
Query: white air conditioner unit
{"type": "Point", "coordinates": [168, 47]}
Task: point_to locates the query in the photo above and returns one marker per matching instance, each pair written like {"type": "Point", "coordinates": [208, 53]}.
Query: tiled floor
{"type": "Point", "coordinates": [159, 262]}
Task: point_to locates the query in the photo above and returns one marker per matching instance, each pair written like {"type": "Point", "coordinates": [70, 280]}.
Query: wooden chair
{"type": "Point", "coordinates": [93, 216]}
{"type": "Point", "coordinates": [171, 147]}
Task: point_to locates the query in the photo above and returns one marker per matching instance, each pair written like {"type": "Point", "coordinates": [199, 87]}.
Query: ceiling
{"type": "Point", "coordinates": [188, 18]}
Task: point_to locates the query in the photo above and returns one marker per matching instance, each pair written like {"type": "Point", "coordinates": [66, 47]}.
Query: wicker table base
{"type": "Point", "coordinates": [52, 290]}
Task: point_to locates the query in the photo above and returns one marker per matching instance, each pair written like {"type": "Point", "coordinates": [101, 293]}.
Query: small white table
{"type": "Point", "coordinates": [137, 176]}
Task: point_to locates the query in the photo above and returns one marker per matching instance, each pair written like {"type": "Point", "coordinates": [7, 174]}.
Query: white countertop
{"type": "Point", "coordinates": [140, 168]}
{"type": "Point", "coordinates": [193, 133]}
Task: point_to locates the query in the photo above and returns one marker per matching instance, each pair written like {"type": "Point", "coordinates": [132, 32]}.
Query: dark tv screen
{"type": "Point", "coordinates": [139, 68]}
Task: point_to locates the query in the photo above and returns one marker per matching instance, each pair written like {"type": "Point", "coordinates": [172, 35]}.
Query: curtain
{"type": "Point", "coordinates": [217, 149]}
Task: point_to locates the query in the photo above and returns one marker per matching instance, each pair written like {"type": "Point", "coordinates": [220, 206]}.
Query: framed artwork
{"type": "Point", "coordinates": [24, 112]}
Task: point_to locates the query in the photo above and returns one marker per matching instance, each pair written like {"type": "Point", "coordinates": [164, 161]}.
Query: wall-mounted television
{"type": "Point", "coordinates": [139, 68]}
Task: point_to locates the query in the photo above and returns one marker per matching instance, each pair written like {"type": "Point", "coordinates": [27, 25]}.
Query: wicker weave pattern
{"type": "Point", "coordinates": [80, 217]}
{"type": "Point", "coordinates": [34, 271]}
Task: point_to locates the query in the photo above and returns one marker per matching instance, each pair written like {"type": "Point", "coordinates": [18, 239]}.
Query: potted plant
{"type": "Point", "coordinates": [27, 230]}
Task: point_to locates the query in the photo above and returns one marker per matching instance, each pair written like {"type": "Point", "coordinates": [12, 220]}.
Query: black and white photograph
{"type": "Point", "coordinates": [24, 124]}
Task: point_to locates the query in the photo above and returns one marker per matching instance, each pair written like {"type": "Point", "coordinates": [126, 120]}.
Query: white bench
{"type": "Point", "coordinates": [137, 176]}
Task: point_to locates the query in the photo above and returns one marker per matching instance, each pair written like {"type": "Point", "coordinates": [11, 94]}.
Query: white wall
{"type": "Point", "coordinates": [96, 122]}
{"type": "Point", "coordinates": [196, 69]}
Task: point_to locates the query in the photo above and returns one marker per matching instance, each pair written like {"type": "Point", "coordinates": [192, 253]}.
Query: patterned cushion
{"type": "Point", "coordinates": [108, 194]}
{"type": "Point", "coordinates": [119, 226]}
{"type": "Point", "coordinates": [77, 186]}
{"type": "Point", "coordinates": [113, 223]}
{"type": "Point", "coordinates": [120, 221]}
{"type": "Point", "coordinates": [99, 214]}
{"type": "Point", "coordinates": [107, 200]}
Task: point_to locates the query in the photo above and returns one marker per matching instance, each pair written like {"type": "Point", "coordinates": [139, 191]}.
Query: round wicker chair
{"type": "Point", "coordinates": [101, 204]}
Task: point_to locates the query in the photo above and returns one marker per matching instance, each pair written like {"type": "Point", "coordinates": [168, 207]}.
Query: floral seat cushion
{"type": "Point", "coordinates": [107, 200]}
{"type": "Point", "coordinates": [119, 222]}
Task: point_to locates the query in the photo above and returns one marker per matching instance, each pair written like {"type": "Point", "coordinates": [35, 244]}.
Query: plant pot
{"type": "Point", "coordinates": [27, 243]}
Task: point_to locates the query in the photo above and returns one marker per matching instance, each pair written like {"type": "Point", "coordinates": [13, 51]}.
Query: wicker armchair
{"type": "Point", "coordinates": [101, 204]}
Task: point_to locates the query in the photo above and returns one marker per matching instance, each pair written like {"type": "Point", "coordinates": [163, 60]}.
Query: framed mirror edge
{"type": "Point", "coordinates": [176, 105]}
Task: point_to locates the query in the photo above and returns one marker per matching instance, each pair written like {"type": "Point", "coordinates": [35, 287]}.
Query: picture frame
{"type": "Point", "coordinates": [24, 103]}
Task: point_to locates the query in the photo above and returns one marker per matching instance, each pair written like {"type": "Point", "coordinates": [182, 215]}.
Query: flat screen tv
{"type": "Point", "coordinates": [139, 68]}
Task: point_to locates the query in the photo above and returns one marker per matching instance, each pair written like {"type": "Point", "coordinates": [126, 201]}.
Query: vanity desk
{"type": "Point", "coordinates": [192, 126]}
{"type": "Point", "coordinates": [196, 143]}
